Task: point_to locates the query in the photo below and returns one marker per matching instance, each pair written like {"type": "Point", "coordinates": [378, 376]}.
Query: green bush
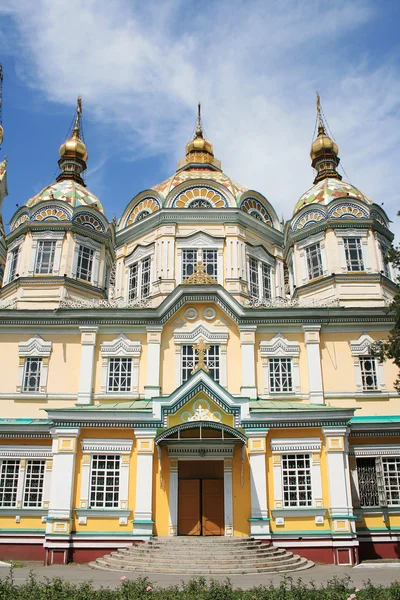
{"type": "Point", "coordinates": [197, 588]}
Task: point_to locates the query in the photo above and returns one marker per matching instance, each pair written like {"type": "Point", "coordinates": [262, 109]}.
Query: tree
{"type": "Point", "coordinates": [390, 348]}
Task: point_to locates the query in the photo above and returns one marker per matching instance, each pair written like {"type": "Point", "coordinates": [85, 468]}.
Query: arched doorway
{"type": "Point", "coordinates": [200, 491]}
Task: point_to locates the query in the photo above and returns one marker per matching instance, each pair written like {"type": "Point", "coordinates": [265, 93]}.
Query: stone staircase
{"type": "Point", "coordinates": [202, 556]}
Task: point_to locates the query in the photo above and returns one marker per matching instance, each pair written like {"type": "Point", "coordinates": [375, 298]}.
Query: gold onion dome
{"type": "Point", "coordinates": [323, 144]}
{"type": "Point", "coordinates": [199, 150]}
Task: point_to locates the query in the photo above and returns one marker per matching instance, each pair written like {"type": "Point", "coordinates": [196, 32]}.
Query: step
{"type": "Point", "coordinates": [202, 561]}
{"type": "Point", "coordinates": [118, 562]}
{"type": "Point", "coordinates": [201, 553]}
{"type": "Point", "coordinates": [299, 565]}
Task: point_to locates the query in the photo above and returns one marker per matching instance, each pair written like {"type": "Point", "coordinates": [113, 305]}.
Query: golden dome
{"type": "Point", "coordinates": [74, 147]}
{"type": "Point", "coordinates": [323, 144]}
{"type": "Point", "coordinates": [199, 144]}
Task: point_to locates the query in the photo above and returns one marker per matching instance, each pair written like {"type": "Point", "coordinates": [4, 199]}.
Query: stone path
{"type": "Point", "coordinates": [318, 574]}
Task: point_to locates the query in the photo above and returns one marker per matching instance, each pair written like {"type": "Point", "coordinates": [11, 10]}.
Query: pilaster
{"type": "Point", "coordinates": [259, 520]}
{"type": "Point", "coordinates": [143, 516]}
{"type": "Point", "coordinates": [173, 497]}
{"type": "Point", "coordinates": [152, 387]}
{"type": "Point", "coordinates": [88, 345]}
{"type": "Point", "coordinates": [312, 341]}
{"type": "Point", "coordinates": [247, 343]}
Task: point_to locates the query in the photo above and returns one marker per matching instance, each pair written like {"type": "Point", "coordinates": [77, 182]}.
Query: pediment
{"type": "Point", "coordinates": [203, 398]}
{"type": "Point", "coordinates": [200, 240]}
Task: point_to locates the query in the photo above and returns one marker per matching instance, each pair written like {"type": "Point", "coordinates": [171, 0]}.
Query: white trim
{"type": "Point", "coordinates": [88, 345]}
{"type": "Point", "coordinates": [25, 452]}
{"type": "Point", "coordinates": [58, 237]}
{"type": "Point", "coordinates": [200, 240]}
{"type": "Point", "coordinates": [34, 347]}
{"type": "Point", "coordinates": [280, 347]}
{"type": "Point", "coordinates": [312, 343]}
{"type": "Point", "coordinates": [121, 346]}
{"type": "Point", "coordinates": [375, 450]}
{"type": "Point", "coordinates": [139, 254]}
{"type": "Point", "coordinates": [109, 446]}
{"type": "Point", "coordinates": [301, 445]}
{"type": "Point", "coordinates": [16, 244]}
{"type": "Point", "coordinates": [362, 347]}
{"type": "Point", "coordinates": [96, 247]}
{"type": "Point", "coordinates": [353, 233]}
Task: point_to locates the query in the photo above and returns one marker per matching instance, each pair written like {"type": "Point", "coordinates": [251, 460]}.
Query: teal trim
{"type": "Point", "coordinates": [376, 419]}
{"type": "Point", "coordinates": [143, 521]}
{"type": "Point", "coordinates": [383, 529]}
{"type": "Point", "coordinates": [310, 511]}
{"type": "Point", "coordinates": [22, 531]}
{"type": "Point", "coordinates": [58, 519]}
{"type": "Point", "coordinates": [316, 533]}
{"type": "Point", "coordinates": [259, 519]}
{"type": "Point", "coordinates": [141, 535]}
{"type": "Point", "coordinates": [349, 517]}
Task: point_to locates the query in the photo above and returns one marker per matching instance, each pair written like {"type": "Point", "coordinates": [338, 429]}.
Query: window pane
{"type": "Point", "coordinates": [145, 285]}
{"type": "Point", "coordinates": [105, 479]}
{"type": "Point", "coordinates": [210, 260]}
{"type": "Point", "coordinates": [189, 262]}
{"type": "Point", "coordinates": [119, 374]}
{"type": "Point", "coordinates": [391, 470]}
{"type": "Point", "coordinates": [280, 374]}
{"type": "Point", "coordinates": [367, 482]}
{"type": "Point", "coordinates": [368, 373]}
{"type": "Point", "coordinates": [9, 482]}
{"type": "Point", "coordinates": [133, 281]}
{"type": "Point", "coordinates": [45, 257]}
{"type": "Point", "coordinates": [85, 263]}
{"type": "Point", "coordinates": [296, 479]}
{"type": "Point", "coordinates": [33, 368]}
{"type": "Point", "coordinates": [314, 262]}
{"type": "Point", "coordinates": [354, 258]}
{"type": "Point", "coordinates": [254, 284]}
{"type": "Point", "coordinates": [190, 361]}
{"type": "Point", "coordinates": [14, 264]}
{"type": "Point", "coordinates": [266, 280]}
{"type": "Point", "coordinates": [34, 479]}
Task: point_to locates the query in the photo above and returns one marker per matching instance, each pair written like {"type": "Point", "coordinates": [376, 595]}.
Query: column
{"type": "Point", "coordinates": [152, 388]}
{"type": "Point", "coordinates": [341, 508]}
{"type": "Point", "coordinates": [143, 516]}
{"type": "Point", "coordinates": [60, 515]}
{"type": "Point", "coordinates": [88, 345]}
{"type": "Point", "coordinates": [311, 339]}
{"type": "Point", "coordinates": [247, 342]}
{"type": "Point", "coordinates": [259, 521]}
{"type": "Point", "coordinates": [173, 496]}
{"type": "Point", "coordinates": [228, 503]}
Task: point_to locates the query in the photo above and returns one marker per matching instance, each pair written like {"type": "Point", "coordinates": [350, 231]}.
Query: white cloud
{"type": "Point", "coordinates": [255, 66]}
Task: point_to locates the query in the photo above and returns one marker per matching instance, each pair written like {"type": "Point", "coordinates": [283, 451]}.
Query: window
{"type": "Point", "coordinates": [9, 482]}
{"type": "Point", "coordinates": [368, 373]}
{"type": "Point", "coordinates": [119, 375]}
{"type": "Point", "coordinates": [34, 479]}
{"type": "Point", "coordinates": [296, 480]}
{"type": "Point", "coordinates": [386, 267]}
{"type": "Point", "coordinates": [190, 258]}
{"type": "Point", "coordinates": [45, 257]}
{"type": "Point", "coordinates": [259, 279]}
{"type": "Point", "coordinates": [190, 360]}
{"type": "Point", "coordinates": [13, 264]}
{"type": "Point", "coordinates": [85, 263]}
{"type": "Point", "coordinates": [104, 482]}
{"type": "Point", "coordinates": [280, 375]}
{"type": "Point", "coordinates": [314, 261]}
{"type": "Point", "coordinates": [32, 490]}
{"type": "Point", "coordinates": [139, 279]}
{"type": "Point", "coordinates": [33, 367]}
{"type": "Point", "coordinates": [379, 481]}
{"type": "Point", "coordinates": [353, 252]}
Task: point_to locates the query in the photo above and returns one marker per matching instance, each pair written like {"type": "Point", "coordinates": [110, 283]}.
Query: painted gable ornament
{"type": "Point", "coordinates": [202, 414]}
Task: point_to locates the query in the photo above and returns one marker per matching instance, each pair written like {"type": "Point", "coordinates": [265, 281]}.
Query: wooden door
{"type": "Point", "coordinates": [212, 507]}
{"type": "Point", "coordinates": [189, 507]}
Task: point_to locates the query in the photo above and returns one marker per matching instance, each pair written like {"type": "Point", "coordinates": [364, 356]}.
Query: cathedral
{"type": "Point", "coordinates": [197, 367]}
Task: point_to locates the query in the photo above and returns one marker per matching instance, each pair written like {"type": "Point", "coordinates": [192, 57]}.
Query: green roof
{"type": "Point", "coordinates": [376, 419]}
{"type": "Point", "coordinates": [283, 405]}
{"type": "Point", "coordinates": [25, 422]}
{"type": "Point", "coordinates": [127, 405]}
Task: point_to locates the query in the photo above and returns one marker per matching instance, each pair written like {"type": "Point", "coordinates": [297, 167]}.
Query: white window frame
{"type": "Point", "coordinates": [310, 446]}
{"type": "Point", "coordinates": [259, 254]}
{"type": "Point", "coordinates": [90, 447]}
{"type": "Point", "coordinates": [16, 245]}
{"type": "Point", "coordinates": [200, 241]}
{"type": "Point", "coordinates": [362, 347]}
{"type": "Point", "coordinates": [191, 335]}
{"type": "Point", "coordinates": [120, 347]}
{"type": "Point", "coordinates": [46, 236]}
{"type": "Point", "coordinates": [216, 357]}
{"type": "Point", "coordinates": [280, 347]}
{"type": "Point", "coordinates": [29, 373]}
{"type": "Point", "coordinates": [90, 244]}
{"type": "Point", "coordinates": [353, 233]}
{"type": "Point", "coordinates": [316, 249]}
{"type": "Point", "coordinates": [382, 246]}
{"type": "Point", "coordinates": [35, 347]}
{"type": "Point", "coordinates": [260, 265]}
{"type": "Point", "coordinates": [24, 455]}
{"type": "Point", "coordinates": [140, 272]}
{"type": "Point", "coordinates": [379, 452]}
{"type": "Point", "coordinates": [138, 256]}
{"type": "Point", "coordinates": [302, 245]}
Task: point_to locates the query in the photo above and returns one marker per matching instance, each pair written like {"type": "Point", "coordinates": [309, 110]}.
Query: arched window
{"type": "Point", "coordinates": [200, 203]}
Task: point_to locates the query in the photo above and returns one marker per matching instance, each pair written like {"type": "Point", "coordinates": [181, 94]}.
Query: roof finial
{"type": "Point", "coordinates": [78, 116]}
{"type": "Point", "coordinates": [321, 128]}
{"type": "Point", "coordinates": [199, 128]}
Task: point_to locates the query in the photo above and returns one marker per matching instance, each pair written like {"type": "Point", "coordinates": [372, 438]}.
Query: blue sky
{"type": "Point", "coordinates": [255, 66]}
